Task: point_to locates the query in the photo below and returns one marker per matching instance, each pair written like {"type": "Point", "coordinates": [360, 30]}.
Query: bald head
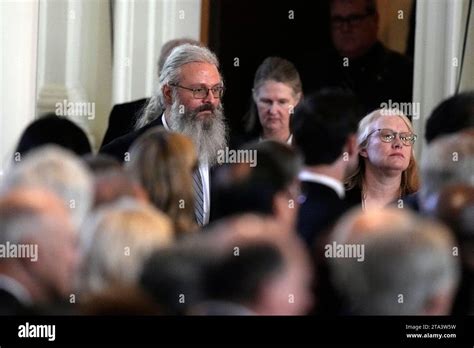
{"type": "Point", "coordinates": [358, 224]}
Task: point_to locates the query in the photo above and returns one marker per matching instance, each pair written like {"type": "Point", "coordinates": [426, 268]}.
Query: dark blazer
{"type": "Point", "coordinates": [354, 197]}
{"type": "Point", "coordinates": [118, 147]}
{"type": "Point", "coordinates": [320, 209]}
{"type": "Point", "coordinates": [378, 76]}
{"type": "Point", "coordinates": [412, 201]}
{"type": "Point", "coordinates": [122, 119]}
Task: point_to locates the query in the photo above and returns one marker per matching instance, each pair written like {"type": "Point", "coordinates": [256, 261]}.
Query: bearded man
{"type": "Point", "coordinates": [190, 92]}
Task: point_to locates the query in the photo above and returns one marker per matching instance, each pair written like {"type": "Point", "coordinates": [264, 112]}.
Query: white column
{"type": "Point", "coordinates": [140, 29]}
{"type": "Point", "coordinates": [61, 42]}
{"type": "Point", "coordinates": [467, 78]}
{"type": "Point", "coordinates": [437, 56]}
{"type": "Point", "coordinates": [18, 42]}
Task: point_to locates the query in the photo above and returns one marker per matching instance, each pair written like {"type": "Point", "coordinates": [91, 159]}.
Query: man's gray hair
{"type": "Point", "coordinates": [170, 74]}
{"type": "Point", "coordinates": [59, 171]}
{"type": "Point", "coordinates": [403, 268]}
{"type": "Point", "coordinates": [447, 160]}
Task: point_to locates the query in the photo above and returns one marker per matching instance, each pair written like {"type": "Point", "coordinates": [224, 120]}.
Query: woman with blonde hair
{"type": "Point", "coordinates": [116, 241]}
{"type": "Point", "coordinates": [387, 170]}
{"type": "Point", "coordinates": [163, 163]}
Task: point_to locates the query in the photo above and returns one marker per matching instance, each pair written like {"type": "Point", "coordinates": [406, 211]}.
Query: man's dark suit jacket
{"type": "Point", "coordinates": [321, 208]}
{"type": "Point", "coordinates": [317, 214]}
{"type": "Point", "coordinates": [377, 77]}
{"type": "Point", "coordinates": [122, 119]}
{"type": "Point", "coordinates": [119, 146]}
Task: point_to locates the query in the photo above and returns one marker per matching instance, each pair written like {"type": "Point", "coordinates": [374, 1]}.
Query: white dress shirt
{"type": "Point", "coordinates": [336, 185]}
{"type": "Point", "coordinates": [204, 170]}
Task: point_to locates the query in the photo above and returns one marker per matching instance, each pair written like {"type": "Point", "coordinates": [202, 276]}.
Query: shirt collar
{"type": "Point", "coordinates": [165, 124]}
{"type": "Point", "coordinates": [336, 185]}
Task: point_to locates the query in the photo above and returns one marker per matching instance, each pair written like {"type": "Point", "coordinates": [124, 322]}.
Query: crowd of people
{"type": "Point", "coordinates": [332, 217]}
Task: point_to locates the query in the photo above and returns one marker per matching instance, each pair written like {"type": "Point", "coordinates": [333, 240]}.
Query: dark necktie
{"type": "Point", "coordinates": [198, 197]}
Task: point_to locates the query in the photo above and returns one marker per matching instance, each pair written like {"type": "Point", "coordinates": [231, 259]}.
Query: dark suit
{"type": "Point", "coordinates": [122, 119]}
{"type": "Point", "coordinates": [412, 201]}
{"type": "Point", "coordinates": [118, 147]}
{"type": "Point", "coordinates": [375, 78]}
{"type": "Point", "coordinates": [320, 209]}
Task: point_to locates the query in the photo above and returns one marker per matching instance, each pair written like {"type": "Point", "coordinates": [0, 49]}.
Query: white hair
{"type": "Point", "coordinates": [170, 74]}
{"type": "Point", "coordinates": [117, 240]}
{"type": "Point", "coordinates": [447, 160]}
{"type": "Point", "coordinates": [59, 171]}
{"type": "Point", "coordinates": [17, 226]}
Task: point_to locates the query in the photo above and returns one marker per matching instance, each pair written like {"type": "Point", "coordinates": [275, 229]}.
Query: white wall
{"type": "Point", "coordinates": [438, 44]}
{"type": "Point", "coordinates": [76, 62]}
{"type": "Point", "coordinates": [141, 27]}
{"type": "Point", "coordinates": [18, 47]}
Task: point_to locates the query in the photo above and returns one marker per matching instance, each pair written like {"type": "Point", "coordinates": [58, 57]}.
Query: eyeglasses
{"type": "Point", "coordinates": [388, 135]}
{"type": "Point", "coordinates": [356, 19]}
{"type": "Point", "coordinates": [203, 92]}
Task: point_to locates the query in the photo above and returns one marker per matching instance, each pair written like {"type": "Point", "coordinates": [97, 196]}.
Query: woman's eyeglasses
{"type": "Point", "coordinates": [387, 136]}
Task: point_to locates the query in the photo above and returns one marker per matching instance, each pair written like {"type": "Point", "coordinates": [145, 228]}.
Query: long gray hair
{"type": "Point", "coordinates": [170, 74]}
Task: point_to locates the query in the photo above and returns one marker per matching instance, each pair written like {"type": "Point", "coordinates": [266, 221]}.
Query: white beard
{"type": "Point", "coordinates": [209, 135]}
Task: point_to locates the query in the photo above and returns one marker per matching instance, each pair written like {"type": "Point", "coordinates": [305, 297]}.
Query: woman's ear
{"type": "Point", "coordinates": [254, 95]}
{"type": "Point", "coordinates": [299, 98]}
{"type": "Point", "coordinates": [363, 151]}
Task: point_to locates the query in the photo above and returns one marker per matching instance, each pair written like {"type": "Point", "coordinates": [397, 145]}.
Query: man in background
{"type": "Point", "coordinates": [360, 62]}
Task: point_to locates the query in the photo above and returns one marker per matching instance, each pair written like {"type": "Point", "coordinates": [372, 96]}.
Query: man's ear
{"type": "Point", "coordinates": [167, 94]}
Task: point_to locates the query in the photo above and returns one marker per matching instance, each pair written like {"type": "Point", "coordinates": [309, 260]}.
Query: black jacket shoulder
{"type": "Point", "coordinates": [122, 119]}
{"type": "Point", "coordinates": [118, 147]}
